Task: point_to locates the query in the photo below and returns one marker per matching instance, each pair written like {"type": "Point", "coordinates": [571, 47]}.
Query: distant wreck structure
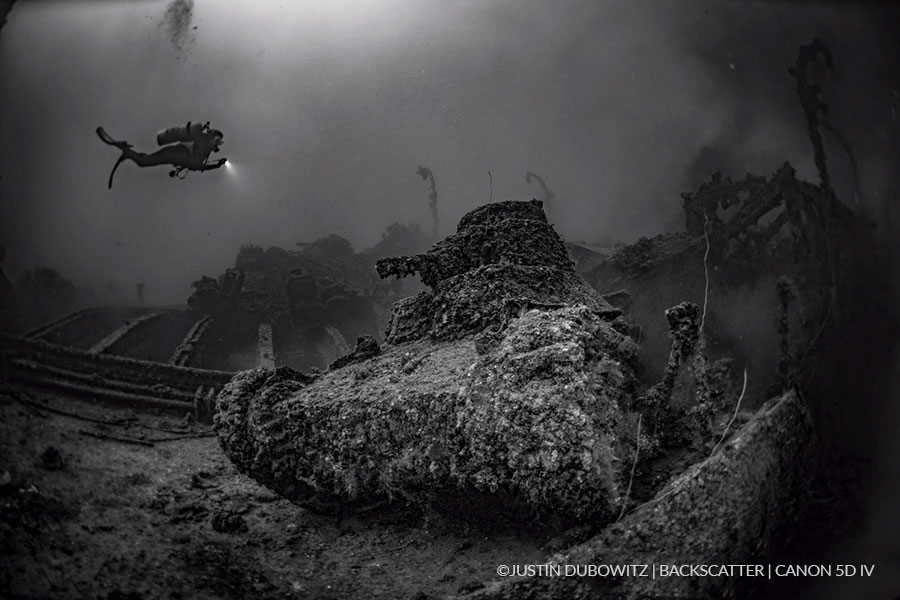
{"type": "Point", "coordinates": [311, 301]}
{"type": "Point", "coordinates": [784, 268]}
{"type": "Point", "coordinates": [810, 95]}
{"type": "Point", "coordinates": [426, 174]}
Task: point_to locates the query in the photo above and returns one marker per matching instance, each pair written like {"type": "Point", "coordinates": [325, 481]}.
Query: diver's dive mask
{"type": "Point", "coordinates": [218, 139]}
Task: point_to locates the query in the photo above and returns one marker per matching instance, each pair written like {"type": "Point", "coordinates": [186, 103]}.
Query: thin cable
{"type": "Point", "coordinates": [637, 449]}
{"type": "Point", "coordinates": [737, 407]}
{"type": "Point", "coordinates": [705, 271]}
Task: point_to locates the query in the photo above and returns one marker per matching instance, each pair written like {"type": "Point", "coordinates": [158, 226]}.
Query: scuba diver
{"type": "Point", "coordinates": [187, 148]}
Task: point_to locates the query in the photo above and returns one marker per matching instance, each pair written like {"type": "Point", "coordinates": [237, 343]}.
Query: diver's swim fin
{"type": "Point", "coordinates": [107, 139]}
{"type": "Point", "coordinates": [116, 166]}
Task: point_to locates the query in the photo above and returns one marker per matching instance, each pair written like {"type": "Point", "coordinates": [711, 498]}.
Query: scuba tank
{"type": "Point", "coordinates": [186, 133]}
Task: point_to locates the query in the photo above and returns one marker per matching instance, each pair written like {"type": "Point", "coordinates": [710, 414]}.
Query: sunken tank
{"type": "Point", "coordinates": [503, 381]}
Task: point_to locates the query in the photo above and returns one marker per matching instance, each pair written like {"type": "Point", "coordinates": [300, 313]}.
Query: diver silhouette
{"type": "Point", "coordinates": [186, 148]}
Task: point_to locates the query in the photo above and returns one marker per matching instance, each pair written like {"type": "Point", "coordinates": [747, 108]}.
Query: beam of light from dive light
{"type": "Point", "coordinates": [234, 172]}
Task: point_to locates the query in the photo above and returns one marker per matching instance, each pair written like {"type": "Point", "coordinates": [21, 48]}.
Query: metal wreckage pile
{"type": "Point", "coordinates": [513, 385]}
{"type": "Point", "coordinates": [314, 298]}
